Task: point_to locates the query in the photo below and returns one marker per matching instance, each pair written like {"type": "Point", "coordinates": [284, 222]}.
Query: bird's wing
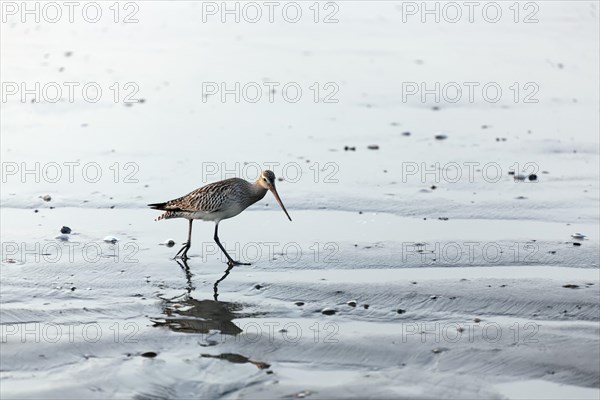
{"type": "Point", "coordinates": [209, 199]}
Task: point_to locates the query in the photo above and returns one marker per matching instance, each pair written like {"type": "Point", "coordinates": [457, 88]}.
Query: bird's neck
{"type": "Point", "coordinates": [258, 192]}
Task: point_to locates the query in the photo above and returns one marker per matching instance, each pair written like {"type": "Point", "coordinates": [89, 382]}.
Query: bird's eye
{"type": "Point", "coordinates": [265, 179]}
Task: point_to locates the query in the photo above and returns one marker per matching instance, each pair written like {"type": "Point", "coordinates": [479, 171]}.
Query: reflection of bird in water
{"type": "Point", "coordinates": [188, 276]}
{"type": "Point", "coordinates": [216, 202]}
{"type": "Point", "coordinates": [200, 316]}
{"type": "Point", "coordinates": [216, 285]}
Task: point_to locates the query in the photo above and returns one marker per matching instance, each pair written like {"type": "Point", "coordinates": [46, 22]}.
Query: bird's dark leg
{"type": "Point", "coordinates": [187, 245]}
{"type": "Point", "coordinates": [230, 261]}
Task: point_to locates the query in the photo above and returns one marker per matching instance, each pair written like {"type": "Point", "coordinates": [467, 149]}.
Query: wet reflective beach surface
{"type": "Point", "coordinates": [438, 249]}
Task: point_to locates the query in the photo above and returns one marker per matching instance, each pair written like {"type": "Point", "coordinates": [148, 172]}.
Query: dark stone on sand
{"type": "Point", "coordinates": [511, 172]}
{"type": "Point", "coordinates": [477, 320]}
{"type": "Point", "coordinates": [401, 311]}
{"type": "Point", "coordinates": [46, 197]}
{"type": "Point", "coordinates": [571, 286]}
{"type": "Point", "coordinates": [373, 147]}
{"type": "Point", "coordinates": [350, 148]}
{"type": "Point", "coordinates": [433, 187]}
{"type": "Point", "coordinates": [65, 230]}
{"type": "Point", "coordinates": [351, 303]}
{"type": "Point", "coordinates": [441, 136]}
{"type": "Point", "coordinates": [576, 244]}
{"type": "Point", "coordinates": [257, 287]}
{"type": "Point", "coordinates": [366, 306]}
{"type": "Point", "coordinates": [149, 354]}
{"type": "Point", "coordinates": [35, 211]}
{"type": "Point", "coordinates": [435, 108]}
{"type": "Point", "coordinates": [299, 303]}
{"type": "Point", "coordinates": [328, 311]}
{"type": "Point", "coordinates": [533, 177]}
{"type": "Point", "coordinates": [443, 218]}
{"type": "Point", "coordinates": [73, 288]}
{"type": "Point", "coordinates": [405, 133]}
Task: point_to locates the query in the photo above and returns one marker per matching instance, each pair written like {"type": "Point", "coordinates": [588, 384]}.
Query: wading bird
{"type": "Point", "coordinates": [216, 202]}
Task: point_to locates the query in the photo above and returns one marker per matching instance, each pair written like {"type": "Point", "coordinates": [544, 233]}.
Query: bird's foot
{"type": "Point", "coordinates": [183, 251]}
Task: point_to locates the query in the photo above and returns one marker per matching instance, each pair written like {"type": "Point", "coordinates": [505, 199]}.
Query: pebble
{"type": "Point", "coordinates": [571, 286]}
{"type": "Point", "coordinates": [576, 244]}
{"type": "Point", "coordinates": [405, 133]}
{"type": "Point", "coordinates": [149, 354]}
{"type": "Point", "coordinates": [401, 311]}
{"type": "Point", "coordinates": [352, 303]}
{"type": "Point", "coordinates": [328, 311]}
{"type": "Point", "coordinates": [169, 243]}
{"type": "Point", "coordinates": [373, 147]}
{"type": "Point", "coordinates": [441, 136]}
{"type": "Point", "coordinates": [477, 320]}
{"type": "Point", "coordinates": [350, 148]}
{"type": "Point", "coordinates": [578, 236]}
{"type": "Point", "coordinates": [533, 177]}
{"type": "Point", "coordinates": [299, 303]}
{"type": "Point", "coordinates": [65, 229]}
{"type": "Point", "coordinates": [111, 239]}
{"type": "Point", "coordinates": [46, 197]}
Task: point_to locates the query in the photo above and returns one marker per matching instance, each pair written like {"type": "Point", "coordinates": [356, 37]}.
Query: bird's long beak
{"type": "Point", "coordinates": [274, 191]}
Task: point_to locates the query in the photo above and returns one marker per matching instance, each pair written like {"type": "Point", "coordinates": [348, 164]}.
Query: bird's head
{"type": "Point", "coordinates": [266, 180]}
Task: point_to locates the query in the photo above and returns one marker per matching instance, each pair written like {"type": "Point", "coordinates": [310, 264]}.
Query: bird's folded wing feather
{"type": "Point", "coordinates": [209, 199]}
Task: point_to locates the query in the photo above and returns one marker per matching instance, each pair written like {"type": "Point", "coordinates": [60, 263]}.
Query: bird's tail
{"type": "Point", "coordinates": [157, 206]}
{"type": "Point", "coordinates": [160, 206]}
